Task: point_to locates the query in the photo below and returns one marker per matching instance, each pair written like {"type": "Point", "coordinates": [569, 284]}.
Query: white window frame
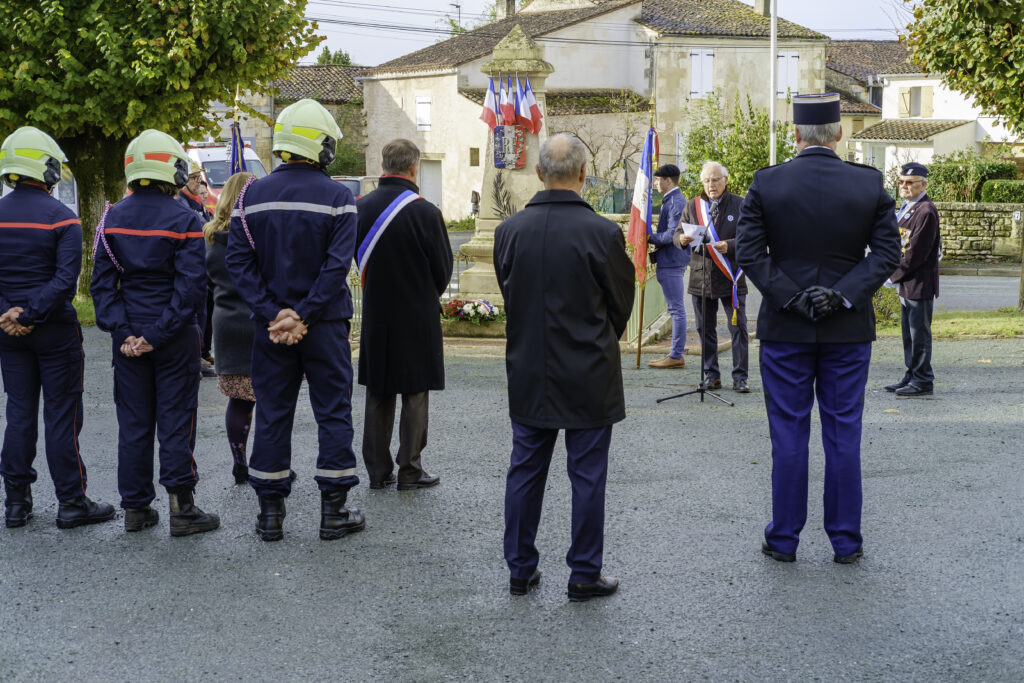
{"type": "Point", "coordinates": [422, 113]}
{"type": "Point", "coordinates": [915, 101]}
{"type": "Point", "coordinates": [787, 74]}
{"type": "Point", "coordinates": [702, 68]}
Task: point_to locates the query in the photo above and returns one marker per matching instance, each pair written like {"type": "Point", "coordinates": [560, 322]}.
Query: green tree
{"type": "Point", "coordinates": [339, 57]}
{"type": "Point", "coordinates": [94, 74]}
{"type": "Point", "coordinates": [977, 46]}
{"type": "Point", "coordinates": [736, 137]}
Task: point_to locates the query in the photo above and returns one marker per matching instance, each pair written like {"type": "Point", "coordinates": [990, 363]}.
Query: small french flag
{"type": "Point", "coordinates": [490, 113]}
{"type": "Point", "coordinates": [531, 103]}
{"type": "Point", "coordinates": [508, 107]}
{"type": "Point", "coordinates": [523, 115]}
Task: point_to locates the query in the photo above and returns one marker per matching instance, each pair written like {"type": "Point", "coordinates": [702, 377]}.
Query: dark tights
{"type": "Point", "coordinates": [237, 419]}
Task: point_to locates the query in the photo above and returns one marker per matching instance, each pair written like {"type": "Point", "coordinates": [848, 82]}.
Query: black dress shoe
{"type": "Point", "coordinates": [740, 386]}
{"type": "Point", "coordinates": [424, 482]}
{"type": "Point", "coordinates": [581, 592]}
{"type": "Point", "coordinates": [142, 518]}
{"type": "Point", "coordinates": [336, 520]}
{"type": "Point", "coordinates": [270, 520]}
{"type": "Point", "coordinates": [712, 384]}
{"type": "Point", "coordinates": [899, 385]}
{"type": "Point", "coordinates": [240, 473]}
{"type": "Point", "coordinates": [914, 390]}
{"type": "Point", "coordinates": [523, 586]}
{"type": "Point", "coordinates": [383, 483]}
{"type": "Point", "coordinates": [849, 559]}
{"type": "Point", "coordinates": [776, 555]}
{"type": "Point", "coordinates": [17, 505]}
{"type": "Point", "coordinates": [80, 511]}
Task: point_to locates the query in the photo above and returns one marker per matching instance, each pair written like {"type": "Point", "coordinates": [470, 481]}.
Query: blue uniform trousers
{"type": "Point", "coordinates": [792, 374]}
{"type": "Point", "coordinates": [671, 281]}
{"type": "Point", "coordinates": [587, 465]}
{"type": "Point", "coordinates": [157, 394]}
{"type": "Point", "coordinates": [324, 355]}
{"type": "Point", "coordinates": [50, 359]}
{"type": "Point", "coordinates": [916, 319]}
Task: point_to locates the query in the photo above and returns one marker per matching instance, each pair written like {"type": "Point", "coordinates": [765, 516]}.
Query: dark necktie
{"type": "Point", "coordinates": [714, 212]}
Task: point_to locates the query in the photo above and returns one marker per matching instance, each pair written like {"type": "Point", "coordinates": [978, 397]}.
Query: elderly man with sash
{"type": "Point", "coordinates": [817, 237]}
{"type": "Point", "coordinates": [714, 275]}
{"type": "Point", "coordinates": [405, 261]}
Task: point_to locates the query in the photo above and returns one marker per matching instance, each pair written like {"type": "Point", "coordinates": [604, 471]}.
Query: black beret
{"type": "Point", "coordinates": [667, 171]}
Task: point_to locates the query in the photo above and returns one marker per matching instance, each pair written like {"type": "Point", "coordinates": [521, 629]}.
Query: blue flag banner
{"type": "Point", "coordinates": [237, 149]}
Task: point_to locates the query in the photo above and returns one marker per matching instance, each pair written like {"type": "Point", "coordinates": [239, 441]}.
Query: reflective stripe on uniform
{"type": "Point", "coordinates": [270, 476]}
{"type": "Point", "coordinates": [153, 233]}
{"type": "Point", "coordinates": [334, 474]}
{"type": "Point", "coordinates": [41, 226]}
{"type": "Point", "coordinates": [296, 206]}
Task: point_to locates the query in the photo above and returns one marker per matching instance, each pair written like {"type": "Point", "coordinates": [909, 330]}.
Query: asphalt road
{"type": "Point", "coordinates": [421, 595]}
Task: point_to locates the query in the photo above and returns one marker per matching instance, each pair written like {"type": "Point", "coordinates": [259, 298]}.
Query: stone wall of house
{"type": "Point", "coordinates": [989, 233]}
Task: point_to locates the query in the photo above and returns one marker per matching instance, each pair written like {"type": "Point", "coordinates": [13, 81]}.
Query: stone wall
{"type": "Point", "coordinates": [988, 233]}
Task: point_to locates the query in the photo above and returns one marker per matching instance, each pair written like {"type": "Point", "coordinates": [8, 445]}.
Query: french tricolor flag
{"type": "Point", "coordinates": [490, 113]}
{"type": "Point", "coordinates": [536, 118]}
{"type": "Point", "coordinates": [640, 214]}
{"type": "Point", "coordinates": [507, 106]}
{"type": "Point", "coordinates": [523, 114]}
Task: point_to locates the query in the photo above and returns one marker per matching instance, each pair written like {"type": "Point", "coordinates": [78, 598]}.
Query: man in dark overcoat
{"type": "Point", "coordinates": [406, 263]}
{"type": "Point", "coordinates": [801, 239]}
{"type": "Point", "coordinates": [709, 284]}
{"type": "Point", "coordinates": [917, 278]}
{"type": "Point", "coordinates": [568, 289]}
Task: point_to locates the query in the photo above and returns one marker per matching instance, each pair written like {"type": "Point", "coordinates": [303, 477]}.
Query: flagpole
{"type": "Point", "coordinates": [643, 283]}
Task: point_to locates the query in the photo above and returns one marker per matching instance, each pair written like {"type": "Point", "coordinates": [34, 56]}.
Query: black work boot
{"type": "Point", "coordinates": [186, 518]}
{"type": "Point", "coordinates": [336, 520]}
{"type": "Point", "coordinates": [270, 521]}
{"type": "Point", "coordinates": [81, 511]}
{"type": "Point", "coordinates": [17, 505]}
{"type": "Point", "coordinates": [141, 518]}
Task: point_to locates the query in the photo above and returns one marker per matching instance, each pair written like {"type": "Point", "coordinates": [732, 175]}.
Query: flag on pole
{"type": "Point", "coordinates": [237, 149]}
{"type": "Point", "coordinates": [508, 107]}
{"type": "Point", "coordinates": [523, 116]}
{"type": "Point", "coordinates": [531, 102]}
{"type": "Point", "coordinates": [640, 213]}
{"type": "Point", "coordinates": [490, 113]}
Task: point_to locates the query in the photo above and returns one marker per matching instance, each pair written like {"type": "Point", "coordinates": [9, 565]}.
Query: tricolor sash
{"type": "Point", "coordinates": [721, 260]}
{"type": "Point", "coordinates": [378, 228]}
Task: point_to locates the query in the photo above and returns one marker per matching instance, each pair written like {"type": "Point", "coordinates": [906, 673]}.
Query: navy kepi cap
{"type": "Point", "coordinates": [667, 171]}
{"type": "Point", "coordinates": [815, 110]}
{"type": "Point", "coordinates": [914, 168]}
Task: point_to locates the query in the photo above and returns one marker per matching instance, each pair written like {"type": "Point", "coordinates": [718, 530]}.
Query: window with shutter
{"type": "Point", "coordinates": [422, 113]}
{"type": "Point", "coordinates": [904, 103]}
{"type": "Point", "coordinates": [927, 93]}
{"type": "Point", "coordinates": [787, 73]}
{"type": "Point", "coordinates": [701, 72]}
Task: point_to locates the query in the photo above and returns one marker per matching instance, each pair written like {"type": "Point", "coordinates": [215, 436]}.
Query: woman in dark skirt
{"type": "Point", "coordinates": [232, 331]}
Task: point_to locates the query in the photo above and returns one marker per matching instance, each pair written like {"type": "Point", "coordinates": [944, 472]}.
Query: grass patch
{"type": "Point", "coordinates": [1004, 323]}
{"type": "Point", "coordinates": [86, 313]}
{"type": "Point", "coordinates": [462, 225]}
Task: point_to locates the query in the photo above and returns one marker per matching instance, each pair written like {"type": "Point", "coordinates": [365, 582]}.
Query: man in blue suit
{"type": "Point", "coordinates": [801, 239]}
{"type": "Point", "coordinates": [671, 262]}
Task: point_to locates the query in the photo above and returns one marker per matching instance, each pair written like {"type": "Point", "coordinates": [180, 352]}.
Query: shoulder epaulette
{"type": "Point", "coordinates": [855, 163]}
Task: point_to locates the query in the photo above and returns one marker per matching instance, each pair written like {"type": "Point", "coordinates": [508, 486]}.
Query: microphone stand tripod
{"type": "Point", "coordinates": [702, 389]}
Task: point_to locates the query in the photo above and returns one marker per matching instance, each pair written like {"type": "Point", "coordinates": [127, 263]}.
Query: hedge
{"type": "Point", "coordinates": [1003, 191]}
{"type": "Point", "coordinates": [961, 180]}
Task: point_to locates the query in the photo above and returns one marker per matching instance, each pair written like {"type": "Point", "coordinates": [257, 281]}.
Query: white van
{"type": "Point", "coordinates": [215, 160]}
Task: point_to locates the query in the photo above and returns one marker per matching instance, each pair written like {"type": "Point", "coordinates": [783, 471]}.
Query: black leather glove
{"type": "Point", "coordinates": [802, 305]}
{"type": "Point", "coordinates": [826, 301]}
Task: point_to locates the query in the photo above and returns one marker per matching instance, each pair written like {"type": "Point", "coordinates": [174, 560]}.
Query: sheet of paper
{"type": "Point", "coordinates": [695, 231]}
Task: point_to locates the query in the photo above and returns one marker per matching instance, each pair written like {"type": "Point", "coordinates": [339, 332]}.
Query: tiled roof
{"type": "Point", "coordinates": [330, 84]}
{"type": "Point", "coordinates": [848, 105]}
{"type": "Point", "coordinates": [716, 18]}
{"type": "Point", "coordinates": [675, 17]}
{"type": "Point", "coordinates": [907, 130]}
{"type": "Point", "coordinates": [566, 102]}
{"type": "Point", "coordinates": [860, 59]}
{"type": "Point", "coordinates": [480, 42]}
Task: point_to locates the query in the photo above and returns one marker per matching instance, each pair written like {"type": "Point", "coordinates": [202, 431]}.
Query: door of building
{"type": "Point", "coordinates": [430, 181]}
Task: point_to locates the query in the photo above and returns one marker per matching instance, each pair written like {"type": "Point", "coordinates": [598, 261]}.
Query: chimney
{"type": "Point", "coordinates": [763, 7]}
{"type": "Point", "coordinates": [505, 8]}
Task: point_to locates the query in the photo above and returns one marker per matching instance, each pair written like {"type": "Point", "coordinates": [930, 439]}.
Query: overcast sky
{"type": "Point", "coordinates": [374, 31]}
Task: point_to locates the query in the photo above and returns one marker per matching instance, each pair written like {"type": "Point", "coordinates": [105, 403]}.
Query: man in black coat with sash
{"type": "Point", "coordinates": [803, 230]}
{"type": "Point", "coordinates": [917, 279]}
{"type": "Point", "coordinates": [568, 289]}
{"type": "Point", "coordinates": [405, 260]}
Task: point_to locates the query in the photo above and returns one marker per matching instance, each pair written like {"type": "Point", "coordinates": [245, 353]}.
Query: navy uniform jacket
{"type": "Point", "coordinates": [666, 255]}
{"type": "Point", "coordinates": [568, 288]}
{"type": "Point", "coordinates": [918, 273]}
{"type": "Point", "coordinates": [40, 256]}
{"type": "Point", "coordinates": [807, 222]}
{"type": "Point", "coordinates": [303, 225]}
{"type": "Point", "coordinates": [159, 245]}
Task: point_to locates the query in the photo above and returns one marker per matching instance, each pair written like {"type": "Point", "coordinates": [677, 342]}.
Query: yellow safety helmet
{"type": "Point", "coordinates": [30, 153]}
{"type": "Point", "coordinates": [307, 129]}
{"type": "Point", "coordinates": [155, 155]}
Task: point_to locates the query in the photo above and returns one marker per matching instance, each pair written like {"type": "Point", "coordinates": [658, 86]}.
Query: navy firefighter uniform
{"type": "Point", "coordinates": [41, 342]}
{"type": "Point", "coordinates": [290, 246]}
{"type": "Point", "coordinates": [147, 287]}
{"type": "Point", "coordinates": [801, 239]}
